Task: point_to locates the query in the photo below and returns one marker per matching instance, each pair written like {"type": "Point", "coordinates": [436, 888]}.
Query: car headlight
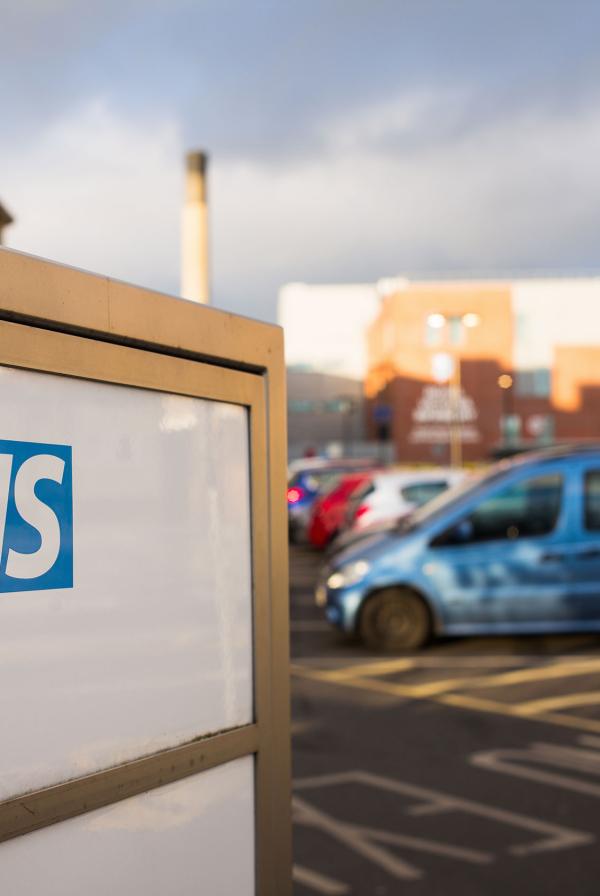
{"type": "Point", "coordinates": [348, 574]}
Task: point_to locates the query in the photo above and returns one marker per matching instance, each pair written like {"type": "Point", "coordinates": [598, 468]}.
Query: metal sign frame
{"type": "Point", "coordinates": [60, 320]}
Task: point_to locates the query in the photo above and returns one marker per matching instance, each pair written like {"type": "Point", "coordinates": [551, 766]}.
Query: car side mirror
{"type": "Point", "coordinates": [462, 532]}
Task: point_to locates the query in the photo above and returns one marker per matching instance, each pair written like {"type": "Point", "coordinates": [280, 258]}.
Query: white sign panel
{"type": "Point", "coordinates": [434, 414]}
{"type": "Point", "coordinates": [177, 840]}
{"type": "Point", "coordinates": [125, 575]}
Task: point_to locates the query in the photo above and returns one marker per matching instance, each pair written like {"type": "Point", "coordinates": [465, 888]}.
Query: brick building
{"type": "Point", "coordinates": [490, 364]}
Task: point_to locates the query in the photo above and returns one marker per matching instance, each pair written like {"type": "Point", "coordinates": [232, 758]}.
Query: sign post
{"type": "Point", "coordinates": [143, 592]}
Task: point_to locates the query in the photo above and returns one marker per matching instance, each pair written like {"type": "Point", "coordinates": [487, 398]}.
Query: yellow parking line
{"type": "Point", "coordinates": [366, 684]}
{"type": "Point", "coordinates": [432, 688]}
{"type": "Point", "coordinates": [465, 701]}
{"type": "Point", "coordinates": [383, 667]}
{"type": "Point", "coordinates": [569, 721]}
{"type": "Point", "coordinates": [380, 687]}
{"type": "Point", "coordinates": [301, 671]}
{"type": "Point", "coordinates": [539, 673]}
{"type": "Point", "coordinates": [563, 701]}
{"type": "Point", "coordinates": [530, 710]}
{"type": "Point", "coordinates": [505, 679]}
{"type": "Point", "coordinates": [414, 691]}
{"type": "Point", "coordinates": [444, 685]}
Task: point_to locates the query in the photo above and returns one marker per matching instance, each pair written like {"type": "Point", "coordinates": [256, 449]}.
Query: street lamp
{"type": "Point", "coordinates": [505, 382]}
{"type": "Point", "coordinates": [346, 406]}
{"type": "Point", "coordinates": [471, 319]}
{"type": "Point", "coordinates": [437, 321]}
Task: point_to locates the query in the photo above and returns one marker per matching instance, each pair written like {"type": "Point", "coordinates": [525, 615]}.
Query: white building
{"type": "Point", "coordinates": [325, 326]}
{"type": "Point", "coordinates": [325, 330]}
{"type": "Point", "coordinates": [551, 312]}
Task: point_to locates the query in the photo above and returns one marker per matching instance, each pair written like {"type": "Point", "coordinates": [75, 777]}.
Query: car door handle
{"type": "Point", "coordinates": [553, 557]}
{"type": "Point", "coordinates": [589, 554]}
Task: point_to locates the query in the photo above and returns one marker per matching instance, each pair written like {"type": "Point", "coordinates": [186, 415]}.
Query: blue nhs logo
{"type": "Point", "coordinates": [36, 516]}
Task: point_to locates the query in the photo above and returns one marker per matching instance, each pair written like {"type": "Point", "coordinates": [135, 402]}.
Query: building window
{"type": "Point", "coordinates": [535, 383]}
{"type": "Point", "coordinates": [522, 328]}
{"type": "Point", "coordinates": [455, 326]}
{"type": "Point", "coordinates": [301, 406]}
{"type": "Point", "coordinates": [433, 334]}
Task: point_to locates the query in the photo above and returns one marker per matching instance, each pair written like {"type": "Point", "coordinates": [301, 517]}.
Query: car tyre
{"type": "Point", "coordinates": [395, 619]}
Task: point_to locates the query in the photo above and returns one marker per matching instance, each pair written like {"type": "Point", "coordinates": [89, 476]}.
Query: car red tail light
{"type": "Point", "coordinates": [294, 495]}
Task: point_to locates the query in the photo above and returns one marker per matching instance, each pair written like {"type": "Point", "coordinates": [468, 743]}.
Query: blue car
{"type": "Point", "coordinates": [516, 550]}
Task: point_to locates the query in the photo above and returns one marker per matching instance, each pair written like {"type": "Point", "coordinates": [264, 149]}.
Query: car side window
{"type": "Point", "coordinates": [591, 501]}
{"type": "Point", "coordinates": [526, 509]}
{"type": "Point", "coordinates": [421, 492]}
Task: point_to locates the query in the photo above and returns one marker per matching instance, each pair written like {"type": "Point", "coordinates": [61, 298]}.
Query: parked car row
{"type": "Point", "coordinates": [309, 480]}
{"type": "Point", "coordinates": [330, 502]}
{"type": "Point", "coordinates": [330, 509]}
{"type": "Point", "coordinates": [390, 496]}
{"type": "Point", "coordinates": [516, 549]}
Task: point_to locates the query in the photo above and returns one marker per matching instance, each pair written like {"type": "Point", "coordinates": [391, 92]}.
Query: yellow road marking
{"type": "Point", "coordinates": [370, 684]}
{"type": "Point", "coordinates": [465, 701]}
{"type": "Point", "coordinates": [383, 667]}
{"type": "Point", "coordinates": [443, 686]}
{"type": "Point", "coordinates": [365, 684]}
{"type": "Point", "coordinates": [505, 679]}
{"type": "Point", "coordinates": [556, 718]}
{"type": "Point", "coordinates": [533, 710]}
{"type": "Point", "coordinates": [562, 701]}
{"type": "Point", "coordinates": [539, 673]}
{"type": "Point", "coordinates": [306, 672]}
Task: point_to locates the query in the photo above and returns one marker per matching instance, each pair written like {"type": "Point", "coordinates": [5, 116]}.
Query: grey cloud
{"type": "Point", "coordinates": [262, 79]}
{"type": "Point", "coordinates": [350, 140]}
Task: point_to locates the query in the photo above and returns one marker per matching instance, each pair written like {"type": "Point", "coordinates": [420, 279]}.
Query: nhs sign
{"type": "Point", "coordinates": [36, 516]}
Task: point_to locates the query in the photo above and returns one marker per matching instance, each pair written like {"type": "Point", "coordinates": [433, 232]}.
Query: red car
{"type": "Point", "coordinates": [329, 511]}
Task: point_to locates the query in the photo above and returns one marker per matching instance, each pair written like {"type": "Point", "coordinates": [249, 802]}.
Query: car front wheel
{"type": "Point", "coordinates": [395, 619]}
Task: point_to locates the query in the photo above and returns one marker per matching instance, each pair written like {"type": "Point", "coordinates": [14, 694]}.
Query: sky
{"type": "Point", "coordinates": [349, 140]}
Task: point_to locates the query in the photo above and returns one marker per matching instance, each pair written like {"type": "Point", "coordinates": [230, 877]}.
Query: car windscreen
{"type": "Point", "coordinates": [453, 495]}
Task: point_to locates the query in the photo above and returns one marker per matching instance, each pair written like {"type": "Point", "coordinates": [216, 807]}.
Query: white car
{"type": "Point", "coordinates": [392, 494]}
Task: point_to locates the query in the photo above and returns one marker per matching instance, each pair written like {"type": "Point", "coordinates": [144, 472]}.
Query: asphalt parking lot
{"type": "Point", "coordinates": [470, 767]}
